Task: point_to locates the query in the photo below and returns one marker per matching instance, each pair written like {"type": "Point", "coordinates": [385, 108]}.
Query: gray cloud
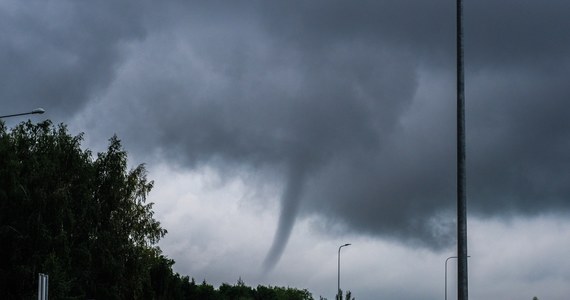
{"type": "Point", "coordinates": [357, 98]}
{"type": "Point", "coordinates": [60, 54]}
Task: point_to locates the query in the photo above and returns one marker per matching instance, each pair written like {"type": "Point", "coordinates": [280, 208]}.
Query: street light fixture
{"type": "Point", "coordinates": [33, 112]}
{"type": "Point", "coordinates": [338, 286]}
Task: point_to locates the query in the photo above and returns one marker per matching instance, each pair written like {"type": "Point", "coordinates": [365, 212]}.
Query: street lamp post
{"type": "Point", "coordinates": [462, 281]}
{"type": "Point", "coordinates": [33, 112]}
{"type": "Point", "coordinates": [446, 273]}
{"type": "Point", "coordinates": [338, 286]}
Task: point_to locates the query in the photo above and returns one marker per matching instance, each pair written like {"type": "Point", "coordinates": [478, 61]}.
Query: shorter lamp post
{"type": "Point", "coordinates": [338, 286]}
{"type": "Point", "coordinates": [33, 112]}
{"type": "Point", "coordinates": [446, 273]}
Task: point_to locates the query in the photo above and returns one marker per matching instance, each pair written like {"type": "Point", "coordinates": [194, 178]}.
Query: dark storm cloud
{"type": "Point", "coordinates": [358, 100]}
{"type": "Point", "coordinates": [353, 102]}
{"type": "Point", "coordinates": [264, 100]}
{"type": "Point", "coordinates": [58, 54]}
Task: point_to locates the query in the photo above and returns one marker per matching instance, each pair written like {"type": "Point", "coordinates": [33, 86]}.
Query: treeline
{"type": "Point", "coordinates": [85, 222]}
{"type": "Point", "coordinates": [183, 288]}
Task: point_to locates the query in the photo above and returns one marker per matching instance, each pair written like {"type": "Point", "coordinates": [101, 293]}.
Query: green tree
{"type": "Point", "coordinates": [282, 293]}
{"type": "Point", "coordinates": [207, 292]}
{"type": "Point", "coordinates": [81, 220]}
{"type": "Point", "coordinates": [347, 297]}
{"type": "Point", "coordinates": [238, 291]}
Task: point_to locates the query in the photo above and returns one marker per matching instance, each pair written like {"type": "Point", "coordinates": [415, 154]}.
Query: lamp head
{"type": "Point", "coordinates": [38, 110]}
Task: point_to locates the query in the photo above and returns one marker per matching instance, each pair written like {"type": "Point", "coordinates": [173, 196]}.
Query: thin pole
{"type": "Point", "coordinates": [35, 111]}
{"type": "Point", "coordinates": [338, 277]}
{"type": "Point", "coordinates": [462, 282]}
{"type": "Point", "coordinates": [446, 274]}
{"type": "Point", "coordinates": [15, 115]}
{"type": "Point", "coordinates": [40, 286]}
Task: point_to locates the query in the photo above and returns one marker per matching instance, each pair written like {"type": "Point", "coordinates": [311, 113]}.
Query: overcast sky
{"type": "Point", "coordinates": [277, 131]}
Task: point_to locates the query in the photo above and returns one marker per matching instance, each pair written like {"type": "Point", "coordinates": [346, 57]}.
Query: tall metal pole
{"type": "Point", "coordinates": [338, 293]}
{"type": "Point", "coordinates": [462, 283]}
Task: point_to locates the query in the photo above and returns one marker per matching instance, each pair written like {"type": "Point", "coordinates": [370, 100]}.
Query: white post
{"type": "Point", "coordinates": [43, 284]}
{"type": "Point", "coordinates": [40, 286]}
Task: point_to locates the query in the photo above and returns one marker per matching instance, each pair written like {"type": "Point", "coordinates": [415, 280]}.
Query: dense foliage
{"type": "Point", "coordinates": [240, 291]}
{"type": "Point", "coordinates": [86, 223]}
{"type": "Point", "coordinates": [83, 221]}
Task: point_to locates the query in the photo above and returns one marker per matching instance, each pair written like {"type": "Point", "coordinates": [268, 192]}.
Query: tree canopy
{"type": "Point", "coordinates": [83, 221]}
